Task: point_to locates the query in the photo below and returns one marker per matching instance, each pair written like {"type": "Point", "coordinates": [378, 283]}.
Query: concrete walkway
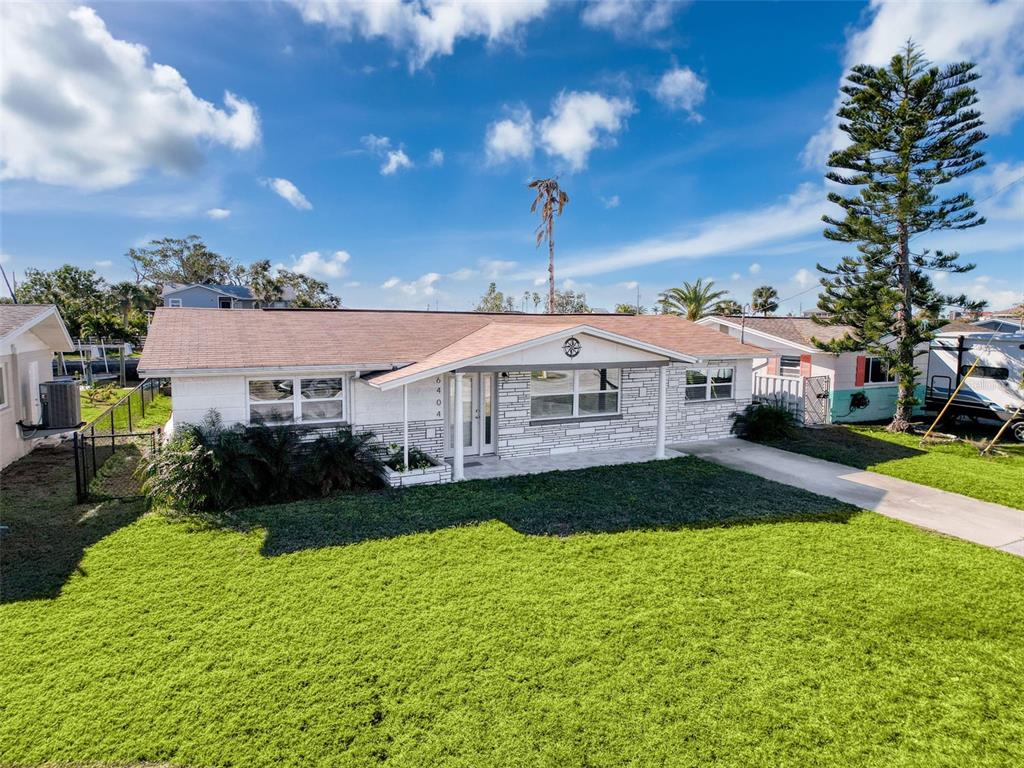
{"type": "Point", "coordinates": [490, 467]}
{"type": "Point", "coordinates": [979, 521]}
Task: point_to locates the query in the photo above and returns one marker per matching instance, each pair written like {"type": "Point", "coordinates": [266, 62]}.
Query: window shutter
{"type": "Point", "coordinates": [805, 365]}
{"type": "Point", "coordinates": [773, 366]}
{"type": "Point", "coordinates": [862, 363]}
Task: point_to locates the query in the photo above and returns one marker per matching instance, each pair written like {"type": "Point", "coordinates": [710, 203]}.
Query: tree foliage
{"type": "Point", "coordinates": [495, 301]}
{"type": "Point", "coordinates": [691, 300]}
{"type": "Point", "coordinates": [570, 302]}
{"type": "Point", "coordinates": [912, 128]}
{"type": "Point", "coordinates": [764, 300]}
{"type": "Point", "coordinates": [180, 260]}
{"type": "Point", "coordinates": [728, 307]}
{"type": "Point", "coordinates": [551, 200]}
{"type": "Point", "coordinates": [630, 309]}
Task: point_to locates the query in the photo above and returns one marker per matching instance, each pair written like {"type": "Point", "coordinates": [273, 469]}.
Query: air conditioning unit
{"type": "Point", "coordinates": [61, 404]}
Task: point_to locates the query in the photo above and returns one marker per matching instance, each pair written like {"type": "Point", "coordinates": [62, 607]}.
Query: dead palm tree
{"type": "Point", "coordinates": [694, 301]}
{"type": "Point", "coordinates": [552, 200]}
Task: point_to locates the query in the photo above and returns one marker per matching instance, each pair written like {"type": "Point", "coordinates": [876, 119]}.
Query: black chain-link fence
{"type": "Point", "coordinates": [129, 430]}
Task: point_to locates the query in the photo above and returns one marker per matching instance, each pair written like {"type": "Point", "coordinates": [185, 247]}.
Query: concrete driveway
{"type": "Point", "coordinates": [979, 521]}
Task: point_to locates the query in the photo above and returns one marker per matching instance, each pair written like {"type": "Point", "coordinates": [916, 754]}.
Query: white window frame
{"type": "Point", "coordinates": [174, 302]}
{"type": "Point", "coordinates": [867, 373]}
{"type": "Point", "coordinates": [297, 400]}
{"type": "Point", "coordinates": [5, 398]}
{"type": "Point", "coordinates": [708, 384]}
{"type": "Point", "coordinates": [576, 392]}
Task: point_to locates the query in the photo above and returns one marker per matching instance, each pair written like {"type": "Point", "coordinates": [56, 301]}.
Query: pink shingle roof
{"type": "Point", "coordinates": [205, 339]}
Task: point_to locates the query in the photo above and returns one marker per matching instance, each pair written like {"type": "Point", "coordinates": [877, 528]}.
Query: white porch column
{"type": "Point", "coordinates": [405, 426]}
{"type": "Point", "coordinates": [458, 472]}
{"type": "Point", "coordinates": [659, 448]}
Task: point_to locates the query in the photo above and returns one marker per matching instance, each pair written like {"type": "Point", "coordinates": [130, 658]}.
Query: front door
{"type": "Point", "coordinates": [477, 429]}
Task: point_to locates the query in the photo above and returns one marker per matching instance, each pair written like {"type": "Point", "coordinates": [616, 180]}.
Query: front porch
{"type": "Point", "coordinates": [491, 467]}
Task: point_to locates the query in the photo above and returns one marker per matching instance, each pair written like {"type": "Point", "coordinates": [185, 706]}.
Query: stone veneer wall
{"type": "Point", "coordinates": [427, 435]}
{"type": "Point", "coordinates": [701, 420]}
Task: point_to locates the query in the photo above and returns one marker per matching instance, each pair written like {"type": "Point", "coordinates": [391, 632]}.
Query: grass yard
{"type": "Point", "coordinates": [157, 411]}
{"type": "Point", "coordinates": [670, 613]}
{"type": "Point", "coordinates": [951, 466]}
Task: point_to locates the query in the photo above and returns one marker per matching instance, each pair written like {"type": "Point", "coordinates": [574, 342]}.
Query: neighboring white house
{"type": "Point", "coordinates": [823, 387]}
{"type": "Point", "coordinates": [457, 384]}
{"type": "Point", "coordinates": [202, 296]}
{"type": "Point", "coordinates": [30, 334]}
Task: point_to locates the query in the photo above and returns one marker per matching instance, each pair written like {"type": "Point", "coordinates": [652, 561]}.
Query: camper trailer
{"type": "Point", "coordinates": [993, 388]}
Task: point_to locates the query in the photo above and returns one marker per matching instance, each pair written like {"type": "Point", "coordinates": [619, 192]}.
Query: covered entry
{"type": "Point", "coordinates": [479, 415]}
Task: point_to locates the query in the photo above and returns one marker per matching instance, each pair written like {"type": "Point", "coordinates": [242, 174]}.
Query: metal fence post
{"type": "Point", "coordinates": [130, 413]}
{"type": "Point", "coordinates": [78, 469]}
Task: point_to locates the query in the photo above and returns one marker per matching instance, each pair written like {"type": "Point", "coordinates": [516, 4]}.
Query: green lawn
{"type": "Point", "coordinates": [952, 466]}
{"type": "Point", "coordinates": [670, 613]}
{"type": "Point", "coordinates": [157, 411]}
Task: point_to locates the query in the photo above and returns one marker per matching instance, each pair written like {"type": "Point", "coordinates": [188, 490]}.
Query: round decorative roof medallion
{"type": "Point", "coordinates": [571, 347]}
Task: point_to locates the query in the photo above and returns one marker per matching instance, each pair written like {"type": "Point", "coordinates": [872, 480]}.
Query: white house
{"type": "Point", "coordinates": [457, 384]}
{"type": "Point", "coordinates": [823, 387]}
{"type": "Point", "coordinates": [30, 334]}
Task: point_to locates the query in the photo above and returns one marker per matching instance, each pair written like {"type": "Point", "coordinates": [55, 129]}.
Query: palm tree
{"type": "Point", "coordinates": [552, 200]}
{"type": "Point", "coordinates": [692, 300]}
{"type": "Point", "coordinates": [728, 307]}
{"type": "Point", "coordinates": [127, 296]}
{"type": "Point", "coordinates": [764, 300]}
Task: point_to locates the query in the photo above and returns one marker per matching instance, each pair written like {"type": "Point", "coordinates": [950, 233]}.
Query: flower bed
{"type": "Point", "coordinates": [437, 472]}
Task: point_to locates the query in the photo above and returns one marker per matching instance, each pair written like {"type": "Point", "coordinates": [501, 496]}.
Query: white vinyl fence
{"type": "Point", "coordinates": [787, 391]}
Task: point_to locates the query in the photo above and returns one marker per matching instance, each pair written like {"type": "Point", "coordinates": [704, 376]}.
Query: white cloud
{"type": "Point", "coordinates": [1000, 191]}
{"type": "Point", "coordinates": [510, 138]}
{"type": "Point", "coordinates": [991, 34]}
{"type": "Point", "coordinates": [463, 274]}
{"type": "Point", "coordinates": [610, 202]}
{"type": "Point", "coordinates": [630, 285]}
{"type": "Point", "coordinates": [316, 264]}
{"type": "Point", "coordinates": [353, 284]}
{"type": "Point", "coordinates": [804, 278]}
{"type": "Point", "coordinates": [218, 213]}
{"type": "Point", "coordinates": [495, 268]}
{"type": "Point", "coordinates": [424, 28]}
{"type": "Point", "coordinates": [425, 285]}
{"type": "Point", "coordinates": [394, 158]}
{"type": "Point", "coordinates": [289, 192]}
{"type": "Point", "coordinates": [735, 276]}
{"type": "Point", "coordinates": [579, 122]}
{"type": "Point", "coordinates": [436, 158]}
{"type": "Point", "coordinates": [394, 161]}
{"type": "Point", "coordinates": [630, 18]}
{"type": "Point", "coordinates": [104, 263]}
{"type": "Point", "coordinates": [81, 108]}
{"type": "Point", "coordinates": [754, 268]}
{"type": "Point", "coordinates": [680, 89]}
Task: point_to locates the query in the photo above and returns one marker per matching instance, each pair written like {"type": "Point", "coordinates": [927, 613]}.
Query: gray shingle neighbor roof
{"type": "Point", "coordinates": [238, 291]}
{"type": "Point", "coordinates": [799, 330]}
{"type": "Point", "coordinates": [14, 316]}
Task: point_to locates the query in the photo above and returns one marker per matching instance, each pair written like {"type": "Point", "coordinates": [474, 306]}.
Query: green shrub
{"type": "Point", "coordinates": [209, 467]}
{"type": "Point", "coordinates": [343, 462]}
{"type": "Point", "coordinates": [417, 459]}
{"type": "Point", "coordinates": [764, 422]}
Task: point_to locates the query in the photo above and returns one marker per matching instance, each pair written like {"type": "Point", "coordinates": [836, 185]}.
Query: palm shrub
{"type": "Point", "coordinates": [764, 422]}
{"type": "Point", "coordinates": [180, 475]}
{"type": "Point", "coordinates": [344, 461]}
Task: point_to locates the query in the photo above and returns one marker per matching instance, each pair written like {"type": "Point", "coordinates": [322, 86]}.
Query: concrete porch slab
{"type": "Point", "coordinates": [490, 467]}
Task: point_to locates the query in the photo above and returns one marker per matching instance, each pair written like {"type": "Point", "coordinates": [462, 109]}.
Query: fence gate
{"type": "Point", "coordinates": [816, 400]}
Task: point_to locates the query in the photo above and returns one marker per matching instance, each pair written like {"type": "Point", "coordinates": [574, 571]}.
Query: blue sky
{"type": "Point", "coordinates": [386, 147]}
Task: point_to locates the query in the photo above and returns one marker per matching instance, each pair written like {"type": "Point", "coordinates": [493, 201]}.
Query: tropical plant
{"type": "Point", "coordinates": [692, 300]}
{"type": "Point", "coordinates": [912, 128]}
{"type": "Point", "coordinates": [764, 422]}
{"type": "Point", "coordinates": [552, 200]}
{"type": "Point", "coordinates": [764, 300]}
{"type": "Point", "coordinates": [75, 291]}
{"type": "Point", "coordinates": [728, 307]}
{"type": "Point", "coordinates": [345, 461]}
{"type": "Point", "coordinates": [418, 459]}
{"type": "Point", "coordinates": [570, 302]}
{"type": "Point", "coordinates": [630, 309]}
{"type": "Point", "coordinates": [178, 477]}
{"type": "Point", "coordinates": [495, 301]}
{"type": "Point", "coordinates": [179, 260]}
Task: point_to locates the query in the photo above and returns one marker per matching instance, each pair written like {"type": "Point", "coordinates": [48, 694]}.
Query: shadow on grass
{"type": "Point", "coordinates": [844, 446]}
{"type": "Point", "coordinates": [46, 531]}
{"type": "Point", "coordinates": [662, 495]}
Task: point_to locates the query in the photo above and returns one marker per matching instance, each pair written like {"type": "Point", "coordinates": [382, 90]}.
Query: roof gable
{"type": "Point", "coordinates": [43, 320]}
